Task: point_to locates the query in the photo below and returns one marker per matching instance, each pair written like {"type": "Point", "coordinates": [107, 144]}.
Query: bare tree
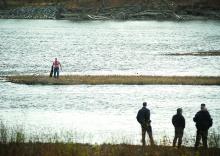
{"type": "Point", "coordinates": [103, 3]}
{"type": "Point", "coordinates": [192, 4]}
{"type": "Point", "coordinates": [76, 1]}
{"type": "Point", "coordinates": [145, 2]}
{"type": "Point", "coordinates": [4, 3]}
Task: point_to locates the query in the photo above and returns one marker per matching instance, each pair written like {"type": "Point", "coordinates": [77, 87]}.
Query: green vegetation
{"type": "Point", "coordinates": [14, 143]}
{"type": "Point", "coordinates": [114, 79]}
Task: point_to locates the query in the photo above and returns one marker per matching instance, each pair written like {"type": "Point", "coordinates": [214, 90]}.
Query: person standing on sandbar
{"type": "Point", "coordinates": [143, 117]}
{"type": "Point", "coordinates": [56, 68]}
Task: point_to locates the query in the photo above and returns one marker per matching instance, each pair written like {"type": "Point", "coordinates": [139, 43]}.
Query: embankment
{"type": "Point", "coordinates": [114, 79]}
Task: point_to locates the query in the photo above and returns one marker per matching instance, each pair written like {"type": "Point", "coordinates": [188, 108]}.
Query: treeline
{"type": "Point", "coordinates": [114, 3]}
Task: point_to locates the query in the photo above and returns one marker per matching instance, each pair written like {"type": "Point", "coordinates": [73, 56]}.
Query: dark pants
{"type": "Point", "coordinates": [178, 136]}
{"type": "Point", "coordinates": [147, 129]}
{"type": "Point", "coordinates": [56, 72]}
{"type": "Point", "coordinates": [201, 134]}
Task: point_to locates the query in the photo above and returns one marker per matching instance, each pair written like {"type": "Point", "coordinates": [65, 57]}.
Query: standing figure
{"type": "Point", "coordinates": [178, 122]}
{"type": "Point", "coordinates": [56, 66]}
{"type": "Point", "coordinates": [143, 117]}
{"type": "Point", "coordinates": [51, 71]}
{"type": "Point", "coordinates": [203, 122]}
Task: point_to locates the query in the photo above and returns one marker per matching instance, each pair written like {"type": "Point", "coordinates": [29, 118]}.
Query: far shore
{"type": "Point", "coordinates": [113, 79]}
{"type": "Point", "coordinates": [160, 10]}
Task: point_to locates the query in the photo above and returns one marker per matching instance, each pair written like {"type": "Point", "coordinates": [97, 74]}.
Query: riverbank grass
{"type": "Point", "coordinates": [74, 149]}
{"type": "Point", "coordinates": [13, 142]}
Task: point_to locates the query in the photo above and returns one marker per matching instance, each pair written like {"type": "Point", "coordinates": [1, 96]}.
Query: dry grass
{"type": "Point", "coordinates": [12, 143]}
{"type": "Point", "coordinates": [71, 149]}
{"type": "Point", "coordinates": [114, 79]}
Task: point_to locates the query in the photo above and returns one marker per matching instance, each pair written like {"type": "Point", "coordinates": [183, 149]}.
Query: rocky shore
{"type": "Point", "coordinates": [134, 12]}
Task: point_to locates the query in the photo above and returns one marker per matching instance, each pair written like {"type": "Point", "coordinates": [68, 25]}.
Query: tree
{"type": "Point", "coordinates": [103, 3]}
{"type": "Point", "coordinates": [4, 3]}
{"type": "Point", "coordinates": [192, 4]}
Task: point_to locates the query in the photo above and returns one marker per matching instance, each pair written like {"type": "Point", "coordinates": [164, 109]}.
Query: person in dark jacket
{"type": "Point", "coordinates": [178, 122]}
{"type": "Point", "coordinates": [203, 122]}
{"type": "Point", "coordinates": [51, 71]}
{"type": "Point", "coordinates": [143, 117]}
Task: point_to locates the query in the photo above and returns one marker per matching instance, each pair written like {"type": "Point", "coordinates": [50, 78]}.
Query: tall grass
{"type": "Point", "coordinates": [14, 143]}
{"type": "Point", "coordinates": [3, 133]}
{"type": "Point", "coordinates": [214, 139]}
{"type": "Point", "coordinates": [13, 135]}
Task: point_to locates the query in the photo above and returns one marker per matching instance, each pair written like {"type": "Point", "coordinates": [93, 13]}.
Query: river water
{"type": "Point", "coordinates": [106, 113]}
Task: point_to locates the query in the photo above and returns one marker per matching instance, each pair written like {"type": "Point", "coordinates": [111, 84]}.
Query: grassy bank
{"type": "Point", "coordinates": [71, 149]}
{"type": "Point", "coordinates": [13, 142]}
{"type": "Point", "coordinates": [114, 79]}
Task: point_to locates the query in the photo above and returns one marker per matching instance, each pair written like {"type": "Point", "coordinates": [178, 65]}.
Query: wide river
{"type": "Point", "coordinates": [106, 113]}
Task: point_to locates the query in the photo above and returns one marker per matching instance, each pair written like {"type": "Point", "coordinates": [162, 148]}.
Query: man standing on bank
{"type": "Point", "coordinates": [203, 122]}
{"type": "Point", "coordinates": [143, 117]}
{"type": "Point", "coordinates": [56, 66]}
{"type": "Point", "coordinates": [178, 122]}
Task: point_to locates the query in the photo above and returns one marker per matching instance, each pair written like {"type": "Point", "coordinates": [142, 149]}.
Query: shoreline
{"type": "Point", "coordinates": [113, 79]}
